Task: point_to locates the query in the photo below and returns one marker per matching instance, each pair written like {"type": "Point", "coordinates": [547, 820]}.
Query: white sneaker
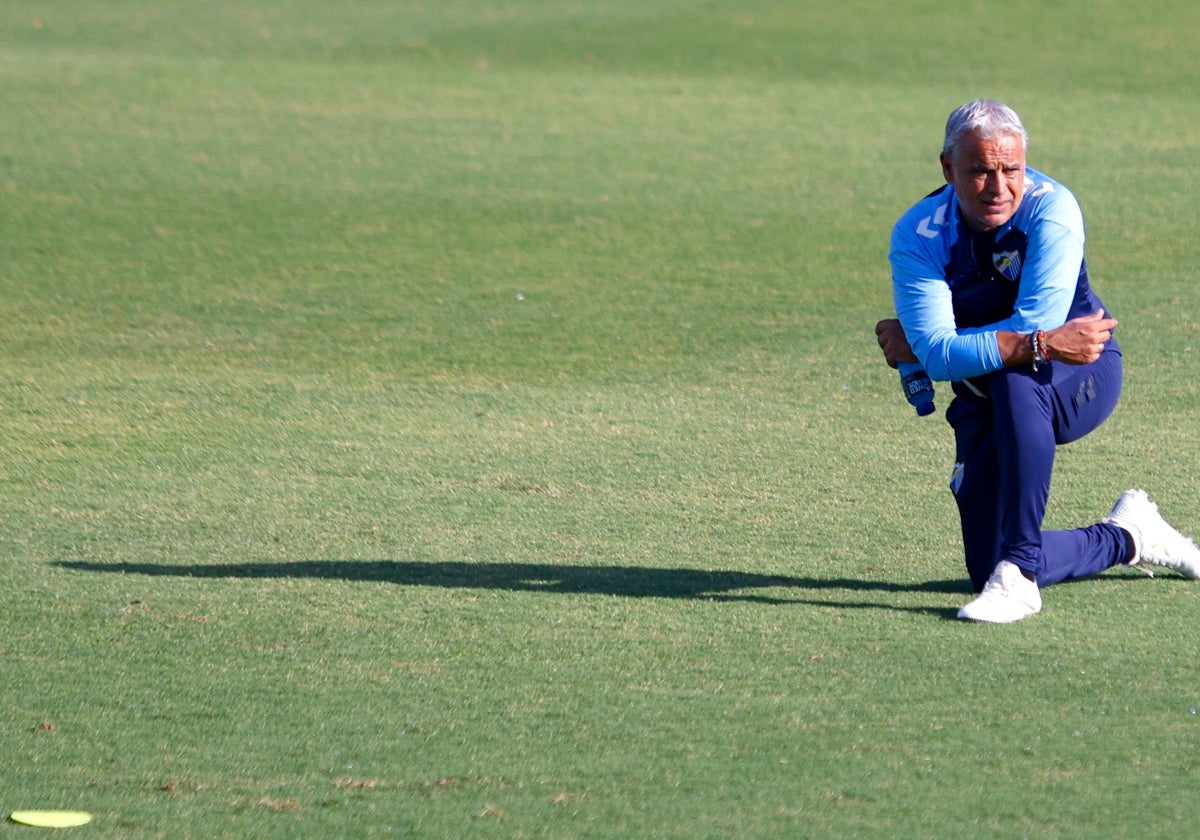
{"type": "Point", "coordinates": [1155, 541]}
{"type": "Point", "coordinates": [1007, 596]}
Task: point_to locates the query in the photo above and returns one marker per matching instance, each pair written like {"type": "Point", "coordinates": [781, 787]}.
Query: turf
{"type": "Point", "coordinates": [464, 419]}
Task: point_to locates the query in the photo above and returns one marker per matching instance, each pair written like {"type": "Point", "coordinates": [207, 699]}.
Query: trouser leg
{"type": "Point", "coordinates": [974, 484]}
{"type": "Point", "coordinates": [1023, 431]}
{"type": "Point", "coordinates": [1005, 452]}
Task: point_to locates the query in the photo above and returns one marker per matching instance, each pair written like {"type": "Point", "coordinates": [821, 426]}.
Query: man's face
{"type": "Point", "coordinates": [988, 177]}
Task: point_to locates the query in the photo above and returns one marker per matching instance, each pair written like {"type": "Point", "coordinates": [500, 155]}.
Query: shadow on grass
{"type": "Point", "coordinates": [622, 581]}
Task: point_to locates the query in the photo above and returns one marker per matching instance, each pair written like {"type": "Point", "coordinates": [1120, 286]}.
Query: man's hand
{"type": "Point", "coordinates": [1080, 341]}
{"type": "Point", "coordinates": [893, 342]}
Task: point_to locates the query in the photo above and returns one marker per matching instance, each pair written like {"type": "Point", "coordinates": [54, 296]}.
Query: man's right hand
{"type": "Point", "coordinates": [893, 342]}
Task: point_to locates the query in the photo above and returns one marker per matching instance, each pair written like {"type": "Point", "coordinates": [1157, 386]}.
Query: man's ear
{"type": "Point", "coordinates": [947, 169]}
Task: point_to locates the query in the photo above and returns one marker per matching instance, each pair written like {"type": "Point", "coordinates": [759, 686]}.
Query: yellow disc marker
{"type": "Point", "coordinates": [51, 819]}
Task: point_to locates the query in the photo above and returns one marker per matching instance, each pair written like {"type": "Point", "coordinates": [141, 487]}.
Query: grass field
{"type": "Point", "coordinates": [464, 420]}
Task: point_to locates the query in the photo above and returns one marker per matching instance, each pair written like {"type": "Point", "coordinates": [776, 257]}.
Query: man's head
{"type": "Point", "coordinates": [983, 157]}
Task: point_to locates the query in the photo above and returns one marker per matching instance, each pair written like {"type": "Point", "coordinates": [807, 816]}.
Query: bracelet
{"type": "Point", "coordinates": [1037, 343]}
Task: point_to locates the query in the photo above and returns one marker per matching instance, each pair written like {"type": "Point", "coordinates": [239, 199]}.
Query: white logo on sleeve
{"type": "Point", "coordinates": [929, 227]}
{"type": "Point", "coordinates": [1041, 189]}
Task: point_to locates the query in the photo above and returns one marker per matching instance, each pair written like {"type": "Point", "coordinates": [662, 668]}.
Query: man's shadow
{"type": "Point", "coordinates": [621, 581]}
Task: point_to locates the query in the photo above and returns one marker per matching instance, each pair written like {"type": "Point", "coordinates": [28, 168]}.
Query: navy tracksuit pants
{"type": "Point", "coordinates": [1005, 445]}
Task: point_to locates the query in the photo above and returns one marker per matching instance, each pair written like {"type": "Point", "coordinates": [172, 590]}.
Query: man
{"type": "Point", "coordinates": [992, 293]}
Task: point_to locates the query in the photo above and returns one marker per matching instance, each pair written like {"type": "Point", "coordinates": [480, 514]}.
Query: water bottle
{"type": "Point", "coordinates": [917, 387]}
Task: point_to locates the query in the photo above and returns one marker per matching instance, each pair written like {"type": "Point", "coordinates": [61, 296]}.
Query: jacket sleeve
{"type": "Point", "coordinates": [924, 307]}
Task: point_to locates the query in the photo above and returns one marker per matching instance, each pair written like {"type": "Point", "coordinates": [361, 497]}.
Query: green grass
{"type": "Point", "coordinates": [464, 419]}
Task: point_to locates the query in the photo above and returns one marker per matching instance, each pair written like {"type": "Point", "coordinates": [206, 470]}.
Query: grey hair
{"type": "Point", "coordinates": [987, 116]}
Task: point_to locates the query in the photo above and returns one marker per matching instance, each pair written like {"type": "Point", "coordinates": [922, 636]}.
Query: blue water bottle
{"type": "Point", "coordinates": [918, 387]}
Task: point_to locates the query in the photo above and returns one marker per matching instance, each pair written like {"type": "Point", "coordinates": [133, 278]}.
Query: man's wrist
{"type": "Point", "coordinates": [1038, 349]}
{"type": "Point", "coordinates": [1038, 352]}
